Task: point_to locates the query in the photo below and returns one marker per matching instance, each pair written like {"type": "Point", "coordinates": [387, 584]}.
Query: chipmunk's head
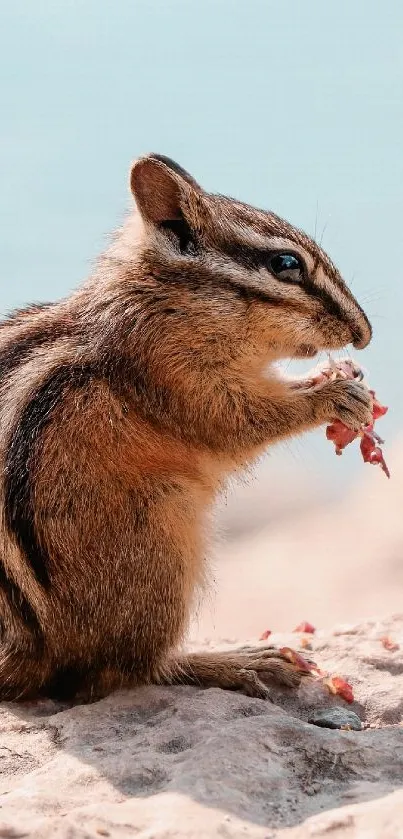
{"type": "Point", "coordinates": [271, 283]}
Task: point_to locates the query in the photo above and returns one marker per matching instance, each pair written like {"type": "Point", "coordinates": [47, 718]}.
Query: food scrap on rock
{"type": "Point", "coordinates": [304, 626]}
{"type": "Point", "coordinates": [335, 684]}
{"type": "Point", "coordinates": [339, 687]}
{"type": "Point", "coordinates": [389, 644]}
{"type": "Point", "coordinates": [298, 660]}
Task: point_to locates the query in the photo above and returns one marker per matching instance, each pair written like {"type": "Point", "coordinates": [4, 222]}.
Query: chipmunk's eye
{"type": "Point", "coordinates": [287, 267]}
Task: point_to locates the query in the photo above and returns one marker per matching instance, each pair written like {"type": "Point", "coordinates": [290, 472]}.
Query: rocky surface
{"type": "Point", "coordinates": [182, 762]}
{"type": "Point", "coordinates": [336, 718]}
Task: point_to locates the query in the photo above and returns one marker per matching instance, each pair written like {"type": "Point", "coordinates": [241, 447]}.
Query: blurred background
{"type": "Point", "coordinates": [294, 107]}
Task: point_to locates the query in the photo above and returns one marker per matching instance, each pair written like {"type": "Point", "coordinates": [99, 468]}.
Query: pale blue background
{"type": "Point", "coordinates": [294, 106]}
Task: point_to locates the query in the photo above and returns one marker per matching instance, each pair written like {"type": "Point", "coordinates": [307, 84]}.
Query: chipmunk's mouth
{"type": "Point", "coordinates": [343, 368]}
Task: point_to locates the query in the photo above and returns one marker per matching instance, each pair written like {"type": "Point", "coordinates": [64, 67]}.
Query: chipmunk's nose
{"type": "Point", "coordinates": [361, 329]}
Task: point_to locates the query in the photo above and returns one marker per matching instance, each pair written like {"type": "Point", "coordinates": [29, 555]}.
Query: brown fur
{"type": "Point", "coordinates": [124, 409]}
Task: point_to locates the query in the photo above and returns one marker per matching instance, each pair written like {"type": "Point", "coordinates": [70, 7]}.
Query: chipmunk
{"type": "Point", "coordinates": [123, 410]}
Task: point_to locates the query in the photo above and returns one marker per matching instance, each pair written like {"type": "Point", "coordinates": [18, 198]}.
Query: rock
{"type": "Point", "coordinates": [184, 762]}
{"type": "Point", "coordinates": [336, 717]}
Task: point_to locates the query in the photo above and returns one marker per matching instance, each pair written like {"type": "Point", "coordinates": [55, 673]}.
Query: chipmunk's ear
{"type": "Point", "coordinates": [160, 188]}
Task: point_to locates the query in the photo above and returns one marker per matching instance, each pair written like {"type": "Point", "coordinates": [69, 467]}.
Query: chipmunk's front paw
{"type": "Point", "coordinates": [347, 400]}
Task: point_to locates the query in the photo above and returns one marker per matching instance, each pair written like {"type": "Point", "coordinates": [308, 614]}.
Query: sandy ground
{"type": "Point", "coordinates": [158, 763]}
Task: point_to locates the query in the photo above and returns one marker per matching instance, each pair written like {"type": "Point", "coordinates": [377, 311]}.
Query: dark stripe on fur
{"type": "Point", "coordinates": [20, 464]}
{"type": "Point", "coordinates": [34, 335]}
{"type": "Point", "coordinates": [18, 351]}
{"type": "Point", "coordinates": [11, 356]}
{"type": "Point", "coordinates": [247, 293]}
{"type": "Point", "coordinates": [18, 603]}
{"type": "Point", "coordinates": [331, 305]}
{"type": "Point", "coordinates": [251, 258]}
